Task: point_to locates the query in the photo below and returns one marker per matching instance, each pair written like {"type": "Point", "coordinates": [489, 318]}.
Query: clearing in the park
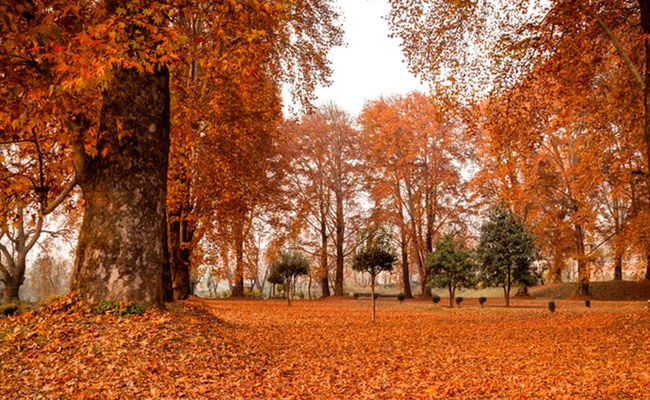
{"type": "Point", "coordinates": [247, 349]}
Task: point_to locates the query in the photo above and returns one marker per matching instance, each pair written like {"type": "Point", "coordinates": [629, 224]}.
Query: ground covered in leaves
{"type": "Point", "coordinates": [227, 349]}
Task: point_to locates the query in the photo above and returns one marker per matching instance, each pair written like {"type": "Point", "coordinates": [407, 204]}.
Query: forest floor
{"type": "Point", "coordinates": [247, 349]}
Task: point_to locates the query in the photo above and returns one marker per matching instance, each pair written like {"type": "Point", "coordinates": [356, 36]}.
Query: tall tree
{"type": "Point", "coordinates": [326, 186]}
{"type": "Point", "coordinates": [413, 152]}
{"type": "Point", "coordinates": [101, 70]}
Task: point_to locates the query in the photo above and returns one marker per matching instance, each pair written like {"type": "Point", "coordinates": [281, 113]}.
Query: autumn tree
{"type": "Point", "coordinates": [413, 151]}
{"type": "Point", "coordinates": [287, 268]}
{"type": "Point", "coordinates": [591, 57]}
{"type": "Point", "coordinates": [506, 251]}
{"type": "Point", "coordinates": [451, 265]}
{"type": "Point", "coordinates": [324, 183]}
{"type": "Point", "coordinates": [373, 257]}
{"type": "Point", "coordinates": [101, 72]}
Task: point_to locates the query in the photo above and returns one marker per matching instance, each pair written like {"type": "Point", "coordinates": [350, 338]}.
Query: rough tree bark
{"type": "Point", "coordinates": [167, 287]}
{"type": "Point", "coordinates": [180, 234]}
{"type": "Point", "coordinates": [10, 291]}
{"type": "Point", "coordinates": [121, 248]}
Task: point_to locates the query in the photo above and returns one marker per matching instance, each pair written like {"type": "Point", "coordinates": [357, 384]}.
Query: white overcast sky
{"type": "Point", "coordinates": [370, 64]}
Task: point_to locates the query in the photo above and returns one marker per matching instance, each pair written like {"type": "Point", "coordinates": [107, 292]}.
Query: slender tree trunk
{"type": "Point", "coordinates": [340, 236]}
{"type": "Point", "coordinates": [451, 295]}
{"type": "Point", "coordinates": [406, 276]}
{"type": "Point", "coordinates": [507, 286]}
{"type": "Point", "coordinates": [309, 287]}
{"type": "Point", "coordinates": [583, 266]}
{"type": "Point", "coordinates": [288, 291]}
{"type": "Point", "coordinates": [372, 296]}
{"type": "Point", "coordinates": [647, 268]}
{"type": "Point", "coordinates": [618, 267]}
{"type": "Point", "coordinates": [121, 247]}
{"type": "Point", "coordinates": [179, 242]}
{"type": "Point", "coordinates": [324, 279]}
{"type": "Point", "coordinates": [238, 288]}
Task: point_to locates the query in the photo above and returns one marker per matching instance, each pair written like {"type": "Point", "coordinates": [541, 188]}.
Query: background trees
{"type": "Point", "coordinates": [414, 152]}
{"type": "Point", "coordinates": [325, 186]}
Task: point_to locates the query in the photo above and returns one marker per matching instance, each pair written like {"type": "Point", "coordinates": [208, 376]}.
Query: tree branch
{"type": "Point", "coordinates": [66, 191]}
{"type": "Point", "coordinates": [621, 51]}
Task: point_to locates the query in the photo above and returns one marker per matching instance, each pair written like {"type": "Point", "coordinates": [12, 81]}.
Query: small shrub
{"type": "Point", "coordinates": [459, 300]}
{"type": "Point", "coordinates": [401, 297]}
{"type": "Point", "coordinates": [300, 295]}
{"type": "Point", "coordinates": [482, 300]}
{"type": "Point", "coordinates": [9, 309]}
{"type": "Point", "coordinates": [435, 298]}
{"type": "Point", "coordinates": [16, 308]}
{"type": "Point", "coordinates": [587, 303]}
{"type": "Point", "coordinates": [551, 306]}
{"type": "Point", "coordinates": [376, 296]}
{"type": "Point", "coordinates": [120, 309]}
{"type": "Point", "coordinates": [355, 295]}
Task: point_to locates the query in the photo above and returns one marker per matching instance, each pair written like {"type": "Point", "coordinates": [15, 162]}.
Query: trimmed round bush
{"type": "Point", "coordinates": [482, 300]}
{"type": "Point", "coordinates": [435, 298]}
{"type": "Point", "coordinates": [587, 303]}
{"type": "Point", "coordinates": [459, 300]}
{"type": "Point", "coordinates": [401, 297]}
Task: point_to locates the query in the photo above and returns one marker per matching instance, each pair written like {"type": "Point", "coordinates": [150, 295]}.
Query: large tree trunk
{"type": "Point", "coordinates": [121, 247]}
{"type": "Point", "coordinates": [340, 235]}
{"type": "Point", "coordinates": [10, 291]}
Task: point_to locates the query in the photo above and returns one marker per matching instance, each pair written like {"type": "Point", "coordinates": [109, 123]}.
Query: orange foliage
{"type": "Point", "coordinates": [330, 349]}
